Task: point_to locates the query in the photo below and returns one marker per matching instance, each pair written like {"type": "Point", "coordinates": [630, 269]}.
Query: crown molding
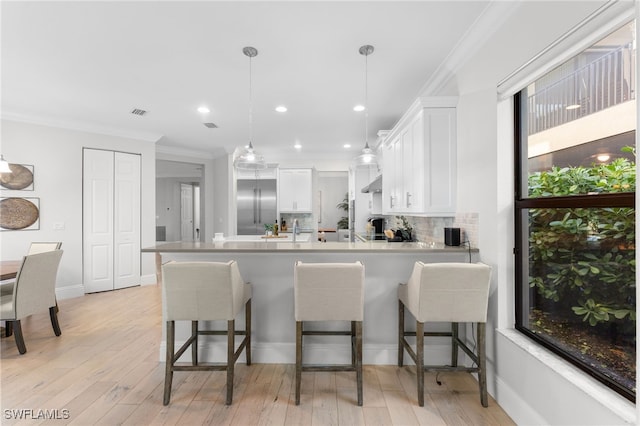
{"type": "Point", "coordinates": [185, 152]}
{"type": "Point", "coordinates": [491, 19]}
{"type": "Point", "coordinates": [81, 126]}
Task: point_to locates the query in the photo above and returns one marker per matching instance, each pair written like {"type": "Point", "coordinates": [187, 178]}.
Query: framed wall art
{"type": "Point", "coordinates": [19, 214]}
{"type": "Point", "coordinates": [20, 178]}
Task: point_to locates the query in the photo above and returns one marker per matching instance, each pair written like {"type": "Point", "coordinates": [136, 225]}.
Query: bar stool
{"type": "Point", "coordinates": [445, 292]}
{"type": "Point", "coordinates": [329, 292]}
{"type": "Point", "coordinates": [204, 291]}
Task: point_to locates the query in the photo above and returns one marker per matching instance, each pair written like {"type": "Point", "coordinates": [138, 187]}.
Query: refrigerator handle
{"type": "Point", "coordinates": [255, 202]}
{"type": "Point", "coordinates": [259, 205]}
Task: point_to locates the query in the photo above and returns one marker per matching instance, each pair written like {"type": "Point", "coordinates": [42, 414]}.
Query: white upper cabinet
{"type": "Point", "coordinates": [295, 190]}
{"type": "Point", "coordinates": [419, 158]}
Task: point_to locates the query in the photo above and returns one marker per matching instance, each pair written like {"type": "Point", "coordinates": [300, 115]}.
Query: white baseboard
{"type": "Point", "coordinates": [150, 279]}
{"type": "Point", "coordinates": [69, 292]}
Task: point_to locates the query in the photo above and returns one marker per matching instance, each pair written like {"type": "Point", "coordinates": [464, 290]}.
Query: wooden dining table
{"type": "Point", "coordinates": [9, 269]}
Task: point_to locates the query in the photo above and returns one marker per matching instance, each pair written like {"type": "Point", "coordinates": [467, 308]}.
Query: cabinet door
{"type": "Point", "coordinates": [415, 165]}
{"type": "Point", "coordinates": [388, 179]}
{"type": "Point", "coordinates": [440, 160]}
{"type": "Point", "coordinates": [294, 193]}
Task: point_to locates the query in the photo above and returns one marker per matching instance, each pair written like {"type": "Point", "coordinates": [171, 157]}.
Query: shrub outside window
{"type": "Point", "coordinates": [575, 210]}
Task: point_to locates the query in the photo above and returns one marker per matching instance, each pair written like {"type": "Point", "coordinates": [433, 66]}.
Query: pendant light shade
{"type": "Point", "coordinates": [4, 165]}
{"type": "Point", "coordinates": [367, 156]}
{"type": "Point", "coordinates": [248, 159]}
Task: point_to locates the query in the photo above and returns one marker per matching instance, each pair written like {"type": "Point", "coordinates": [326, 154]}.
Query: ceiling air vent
{"type": "Point", "coordinates": [210, 125]}
{"type": "Point", "coordinates": [138, 111]}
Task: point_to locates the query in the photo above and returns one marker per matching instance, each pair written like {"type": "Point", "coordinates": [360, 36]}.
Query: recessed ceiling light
{"type": "Point", "coordinates": [281, 108]}
{"type": "Point", "coordinates": [203, 110]}
{"type": "Point", "coordinates": [346, 145]}
{"type": "Point", "coordinates": [358, 108]}
{"type": "Point", "coordinates": [297, 145]}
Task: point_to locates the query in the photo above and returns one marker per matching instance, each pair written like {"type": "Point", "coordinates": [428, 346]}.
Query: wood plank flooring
{"type": "Point", "coordinates": [104, 370]}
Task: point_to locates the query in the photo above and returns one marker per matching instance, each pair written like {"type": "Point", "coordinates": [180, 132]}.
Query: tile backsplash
{"type": "Point", "coordinates": [428, 229]}
{"type": "Point", "coordinates": [305, 220]}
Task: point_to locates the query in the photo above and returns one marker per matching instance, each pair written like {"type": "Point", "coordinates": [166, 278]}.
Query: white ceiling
{"type": "Point", "coordinates": [88, 64]}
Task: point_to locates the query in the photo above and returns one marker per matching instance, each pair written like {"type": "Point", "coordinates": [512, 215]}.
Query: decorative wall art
{"type": "Point", "coordinates": [19, 214]}
{"type": "Point", "coordinates": [20, 178]}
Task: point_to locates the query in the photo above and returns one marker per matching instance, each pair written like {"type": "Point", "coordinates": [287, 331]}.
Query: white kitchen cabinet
{"type": "Point", "coordinates": [420, 160]}
{"type": "Point", "coordinates": [295, 190]}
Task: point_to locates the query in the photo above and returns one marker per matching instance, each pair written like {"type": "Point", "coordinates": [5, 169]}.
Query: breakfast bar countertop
{"type": "Point", "coordinates": [307, 247]}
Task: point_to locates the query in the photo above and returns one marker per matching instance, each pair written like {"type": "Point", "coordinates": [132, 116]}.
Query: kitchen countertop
{"type": "Point", "coordinates": [307, 247]}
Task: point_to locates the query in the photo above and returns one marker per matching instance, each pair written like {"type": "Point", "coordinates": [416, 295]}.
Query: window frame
{"type": "Point", "coordinates": [521, 203]}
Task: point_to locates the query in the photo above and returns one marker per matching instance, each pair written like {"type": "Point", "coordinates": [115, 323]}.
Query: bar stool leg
{"type": "Point", "coordinates": [353, 343]}
{"type": "Point", "coordinates": [168, 376]}
{"type": "Point", "coordinates": [358, 327]}
{"type": "Point", "coordinates": [482, 364]}
{"type": "Point", "coordinates": [298, 359]}
{"type": "Point", "coordinates": [194, 344]}
{"type": "Point", "coordinates": [400, 333]}
{"type": "Point", "coordinates": [247, 328]}
{"type": "Point", "coordinates": [454, 344]}
{"type": "Point", "coordinates": [420, 361]}
{"type": "Point", "coordinates": [231, 342]}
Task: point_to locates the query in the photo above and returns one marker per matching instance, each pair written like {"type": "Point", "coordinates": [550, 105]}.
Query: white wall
{"type": "Point", "coordinates": [56, 155]}
{"type": "Point", "coordinates": [334, 186]}
{"type": "Point", "coordinates": [533, 386]}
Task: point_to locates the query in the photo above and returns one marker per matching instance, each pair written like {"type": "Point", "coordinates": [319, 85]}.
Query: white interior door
{"type": "Point", "coordinates": [97, 220]}
{"type": "Point", "coordinates": [186, 212]}
{"type": "Point", "coordinates": [126, 230]}
{"type": "Point", "coordinates": [111, 220]}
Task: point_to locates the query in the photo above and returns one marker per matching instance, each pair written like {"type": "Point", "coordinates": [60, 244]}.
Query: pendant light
{"type": "Point", "coordinates": [249, 159]}
{"type": "Point", "coordinates": [367, 157]}
{"type": "Point", "coordinates": [4, 165]}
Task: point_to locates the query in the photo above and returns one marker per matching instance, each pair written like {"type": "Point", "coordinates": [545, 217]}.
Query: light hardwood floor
{"type": "Point", "coordinates": [104, 369]}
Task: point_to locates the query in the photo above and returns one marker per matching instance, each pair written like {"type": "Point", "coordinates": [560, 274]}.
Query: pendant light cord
{"type": "Point", "coordinates": [250, 107]}
{"type": "Point", "coordinates": [366, 101]}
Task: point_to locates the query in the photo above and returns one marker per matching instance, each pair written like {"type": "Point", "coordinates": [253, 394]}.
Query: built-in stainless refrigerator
{"type": "Point", "coordinates": [256, 205]}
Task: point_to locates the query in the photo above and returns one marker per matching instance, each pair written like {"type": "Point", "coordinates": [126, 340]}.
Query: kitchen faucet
{"type": "Point", "coordinates": [296, 230]}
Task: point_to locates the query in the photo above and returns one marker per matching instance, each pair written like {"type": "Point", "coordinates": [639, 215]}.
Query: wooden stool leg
{"type": "Point", "coordinates": [400, 333]}
{"type": "Point", "coordinates": [194, 344]}
{"type": "Point", "coordinates": [54, 320]}
{"type": "Point", "coordinates": [247, 329]}
{"type": "Point", "coordinates": [482, 364]}
{"type": "Point", "coordinates": [168, 376]}
{"type": "Point", "coordinates": [353, 343]}
{"type": "Point", "coordinates": [17, 331]}
{"type": "Point", "coordinates": [358, 327]}
{"type": "Point", "coordinates": [420, 361]}
{"type": "Point", "coordinates": [454, 344]}
{"type": "Point", "coordinates": [298, 359]}
{"type": "Point", "coordinates": [231, 342]}
{"type": "Point", "coordinates": [8, 328]}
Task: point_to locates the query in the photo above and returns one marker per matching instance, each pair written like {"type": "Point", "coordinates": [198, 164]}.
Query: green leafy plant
{"type": "Point", "coordinates": [583, 259]}
{"type": "Point", "coordinates": [343, 223]}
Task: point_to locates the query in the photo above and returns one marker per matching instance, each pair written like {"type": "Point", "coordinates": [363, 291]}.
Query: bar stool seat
{"type": "Point", "coordinates": [445, 292]}
{"type": "Point", "coordinates": [204, 291]}
{"type": "Point", "coordinates": [329, 292]}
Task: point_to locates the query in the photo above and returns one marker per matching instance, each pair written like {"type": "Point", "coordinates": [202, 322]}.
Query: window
{"type": "Point", "coordinates": [575, 210]}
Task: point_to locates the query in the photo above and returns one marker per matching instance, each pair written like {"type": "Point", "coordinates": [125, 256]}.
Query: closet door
{"type": "Point", "coordinates": [97, 214]}
{"type": "Point", "coordinates": [126, 220]}
{"type": "Point", "coordinates": [111, 220]}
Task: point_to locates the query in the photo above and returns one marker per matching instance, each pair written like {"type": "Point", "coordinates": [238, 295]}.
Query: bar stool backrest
{"type": "Point", "coordinates": [329, 291]}
{"type": "Point", "coordinates": [449, 292]}
{"type": "Point", "coordinates": [205, 291]}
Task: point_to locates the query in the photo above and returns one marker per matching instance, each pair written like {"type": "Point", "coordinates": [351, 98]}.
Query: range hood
{"type": "Point", "coordinates": [375, 186]}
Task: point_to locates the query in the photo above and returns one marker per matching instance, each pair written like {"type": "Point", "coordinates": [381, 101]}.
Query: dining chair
{"type": "Point", "coordinates": [32, 292]}
{"type": "Point", "coordinates": [41, 247]}
{"type": "Point", "coordinates": [204, 291]}
{"type": "Point", "coordinates": [451, 293]}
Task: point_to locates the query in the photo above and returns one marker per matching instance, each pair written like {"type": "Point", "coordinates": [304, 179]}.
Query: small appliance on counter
{"type": "Point", "coordinates": [452, 236]}
{"type": "Point", "coordinates": [378, 227]}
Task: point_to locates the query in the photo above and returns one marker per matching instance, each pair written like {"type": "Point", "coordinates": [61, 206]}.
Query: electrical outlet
{"type": "Point", "coordinates": [58, 226]}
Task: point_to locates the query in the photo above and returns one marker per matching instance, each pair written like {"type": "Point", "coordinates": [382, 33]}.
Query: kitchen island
{"type": "Point", "coordinates": [268, 265]}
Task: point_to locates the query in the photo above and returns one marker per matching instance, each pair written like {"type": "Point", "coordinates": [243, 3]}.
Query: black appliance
{"type": "Point", "coordinates": [452, 236]}
{"type": "Point", "coordinates": [378, 228]}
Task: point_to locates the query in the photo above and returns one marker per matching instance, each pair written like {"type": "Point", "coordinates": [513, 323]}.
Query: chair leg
{"type": "Point", "coordinates": [17, 331]}
{"type": "Point", "coordinates": [54, 320]}
{"type": "Point", "coordinates": [454, 344]}
{"type": "Point", "coordinates": [420, 361]}
{"type": "Point", "coordinates": [353, 344]}
{"type": "Point", "coordinates": [247, 328]}
{"type": "Point", "coordinates": [168, 375]}
{"type": "Point", "coordinates": [482, 364]}
{"type": "Point", "coordinates": [358, 327]}
{"type": "Point", "coordinates": [8, 328]}
{"type": "Point", "coordinates": [194, 344]}
{"type": "Point", "coordinates": [231, 344]}
{"type": "Point", "coordinates": [400, 333]}
{"type": "Point", "coordinates": [298, 359]}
